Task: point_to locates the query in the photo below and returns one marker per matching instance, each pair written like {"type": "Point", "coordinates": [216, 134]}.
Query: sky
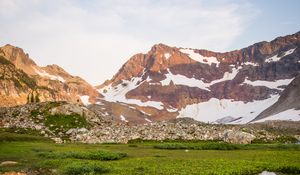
{"type": "Point", "coordinates": [94, 38]}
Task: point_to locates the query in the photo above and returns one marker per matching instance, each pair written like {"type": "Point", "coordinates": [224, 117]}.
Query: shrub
{"type": "Point", "coordinates": [286, 139]}
{"type": "Point", "coordinates": [93, 155]}
{"type": "Point", "coordinates": [84, 168]}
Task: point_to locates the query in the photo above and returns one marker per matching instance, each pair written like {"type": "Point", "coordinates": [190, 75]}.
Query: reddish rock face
{"type": "Point", "coordinates": [21, 77]}
{"type": "Point", "coordinates": [178, 77]}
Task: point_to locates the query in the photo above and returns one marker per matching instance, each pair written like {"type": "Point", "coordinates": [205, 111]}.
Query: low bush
{"type": "Point", "coordinates": [286, 139]}
{"type": "Point", "coordinates": [84, 168]}
{"type": "Point", "coordinates": [288, 169]}
{"type": "Point", "coordinates": [93, 155]}
{"type": "Point", "coordinates": [199, 146]}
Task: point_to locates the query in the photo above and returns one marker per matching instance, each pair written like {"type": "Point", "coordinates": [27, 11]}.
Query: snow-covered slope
{"type": "Point", "coordinates": [216, 109]}
{"type": "Point", "coordinates": [290, 114]}
{"type": "Point", "coordinates": [287, 107]}
{"type": "Point", "coordinates": [118, 94]}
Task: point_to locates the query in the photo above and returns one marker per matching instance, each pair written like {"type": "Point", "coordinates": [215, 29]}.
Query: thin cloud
{"type": "Point", "coordinates": [93, 39]}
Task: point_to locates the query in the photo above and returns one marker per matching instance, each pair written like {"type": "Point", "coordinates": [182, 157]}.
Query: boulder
{"type": "Point", "coordinates": [238, 137]}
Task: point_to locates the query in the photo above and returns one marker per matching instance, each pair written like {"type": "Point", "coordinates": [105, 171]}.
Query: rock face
{"type": "Point", "coordinates": [169, 82]}
{"type": "Point", "coordinates": [287, 105]}
{"type": "Point", "coordinates": [21, 78]}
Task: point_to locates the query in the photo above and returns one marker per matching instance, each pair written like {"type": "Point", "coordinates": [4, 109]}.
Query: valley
{"type": "Point", "coordinates": [168, 111]}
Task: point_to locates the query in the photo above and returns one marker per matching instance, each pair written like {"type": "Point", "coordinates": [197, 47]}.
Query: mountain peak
{"type": "Point", "coordinates": [160, 46]}
{"type": "Point", "coordinates": [16, 55]}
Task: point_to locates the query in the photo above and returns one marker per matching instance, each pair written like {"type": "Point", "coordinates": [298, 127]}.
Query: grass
{"type": "Point", "coordinates": [199, 146]}
{"type": "Point", "coordinates": [10, 137]}
{"type": "Point", "coordinates": [58, 123]}
{"type": "Point", "coordinates": [62, 122]}
{"type": "Point", "coordinates": [142, 158]}
{"type": "Point", "coordinates": [212, 145]}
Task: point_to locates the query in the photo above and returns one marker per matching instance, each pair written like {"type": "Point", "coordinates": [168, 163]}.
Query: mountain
{"type": "Point", "coordinates": [231, 87]}
{"type": "Point", "coordinates": [252, 84]}
{"type": "Point", "coordinates": [22, 80]}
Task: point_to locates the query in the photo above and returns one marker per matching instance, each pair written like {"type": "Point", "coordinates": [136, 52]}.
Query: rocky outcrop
{"type": "Point", "coordinates": [238, 137]}
{"type": "Point", "coordinates": [82, 125]}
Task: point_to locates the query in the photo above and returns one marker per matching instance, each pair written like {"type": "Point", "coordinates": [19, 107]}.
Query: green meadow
{"type": "Point", "coordinates": [41, 156]}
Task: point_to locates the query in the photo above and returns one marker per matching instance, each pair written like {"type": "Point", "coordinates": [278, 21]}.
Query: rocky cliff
{"type": "Point", "coordinates": [169, 82]}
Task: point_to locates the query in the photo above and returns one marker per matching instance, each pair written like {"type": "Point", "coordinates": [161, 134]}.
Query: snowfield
{"type": "Point", "coordinates": [215, 109]}
{"type": "Point", "coordinates": [290, 114]}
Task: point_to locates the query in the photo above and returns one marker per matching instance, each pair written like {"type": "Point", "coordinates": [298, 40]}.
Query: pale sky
{"type": "Point", "coordinates": [94, 38]}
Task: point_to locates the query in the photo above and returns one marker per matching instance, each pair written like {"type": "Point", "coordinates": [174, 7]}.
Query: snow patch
{"type": "Point", "coordinates": [277, 58]}
{"type": "Point", "coordinates": [99, 103]}
{"type": "Point", "coordinates": [148, 120]}
{"type": "Point", "coordinates": [269, 84]}
{"type": "Point", "coordinates": [197, 57]}
{"type": "Point", "coordinates": [85, 99]}
{"type": "Point", "coordinates": [123, 118]}
{"type": "Point", "coordinates": [118, 93]}
{"type": "Point", "coordinates": [167, 56]}
{"type": "Point", "coordinates": [145, 113]}
{"type": "Point", "coordinates": [183, 80]}
{"type": "Point", "coordinates": [290, 114]}
{"type": "Point", "coordinates": [215, 109]}
{"type": "Point", "coordinates": [172, 110]}
{"type": "Point", "coordinates": [46, 74]}
{"type": "Point", "coordinates": [250, 63]}
{"type": "Point", "coordinates": [154, 84]}
{"type": "Point", "coordinates": [192, 82]}
{"type": "Point", "coordinates": [227, 76]}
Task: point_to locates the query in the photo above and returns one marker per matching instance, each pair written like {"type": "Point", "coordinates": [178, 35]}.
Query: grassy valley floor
{"type": "Point", "coordinates": [44, 157]}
